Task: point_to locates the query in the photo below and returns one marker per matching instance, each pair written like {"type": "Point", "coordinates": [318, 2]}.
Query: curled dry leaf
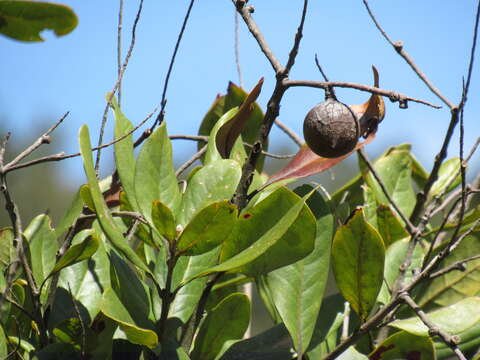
{"type": "Point", "coordinates": [230, 131]}
{"type": "Point", "coordinates": [372, 112]}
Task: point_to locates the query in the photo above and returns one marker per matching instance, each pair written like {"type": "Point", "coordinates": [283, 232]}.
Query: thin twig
{"type": "Point", "coordinates": [410, 227]}
{"type": "Point", "coordinates": [3, 147]}
{"type": "Point", "coordinates": [237, 50]}
{"type": "Point", "coordinates": [392, 95]}
{"type": "Point", "coordinates": [245, 12]}
{"type": "Point", "coordinates": [472, 56]}
{"type": "Point", "coordinates": [63, 156]}
{"type": "Point", "coordinates": [398, 46]}
{"type": "Point", "coordinates": [457, 265]}
{"type": "Point", "coordinates": [190, 161]}
{"type": "Point", "coordinates": [290, 133]}
{"type": "Point", "coordinates": [43, 139]}
{"type": "Point", "coordinates": [298, 39]}
{"type": "Point", "coordinates": [449, 340]}
{"type": "Point", "coordinates": [117, 84]}
{"type": "Point", "coordinates": [119, 49]}
{"type": "Point", "coordinates": [163, 102]}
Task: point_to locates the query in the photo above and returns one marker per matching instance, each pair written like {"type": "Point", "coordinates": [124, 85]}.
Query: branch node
{"type": "Point", "coordinates": [398, 45]}
{"type": "Point", "coordinates": [46, 139]}
{"type": "Point", "coordinates": [403, 104]}
{"type": "Point", "coordinates": [455, 339]}
{"type": "Point", "coordinates": [250, 9]}
{"type": "Point", "coordinates": [433, 331]}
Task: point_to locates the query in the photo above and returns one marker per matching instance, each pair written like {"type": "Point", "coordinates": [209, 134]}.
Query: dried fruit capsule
{"type": "Point", "coordinates": [331, 129]}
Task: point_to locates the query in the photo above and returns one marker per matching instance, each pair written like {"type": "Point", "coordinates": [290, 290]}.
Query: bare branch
{"type": "Point", "coordinates": [163, 103]}
{"type": "Point", "coordinates": [246, 13]}
{"type": "Point", "coordinates": [290, 133]}
{"type": "Point", "coordinates": [458, 265]}
{"type": "Point", "coordinates": [392, 95]}
{"type": "Point", "coordinates": [190, 161]}
{"type": "Point", "coordinates": [298, 38]}
{"type": "Point", "coordinates": [117, 84]}
{"type": "Point", "coordinates": [44, 139]}
{"type": "Point", "coordinates": [398, 46]}
{"type": "Point", "coordinates": [449, 340]}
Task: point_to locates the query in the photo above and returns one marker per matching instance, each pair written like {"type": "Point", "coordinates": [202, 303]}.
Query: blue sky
{"type": "Point", "coordinates": [74, 72]}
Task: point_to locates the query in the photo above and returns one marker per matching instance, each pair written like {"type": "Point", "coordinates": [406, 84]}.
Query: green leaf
{"type": "Point", "coordinates": [403, 345]}
{"type": "Point", "coordinates": [358, 256]}
{"type": "Point", "coordinates": [394, 257]}
{"type": "Point", "coordinates": [454, 285]}
{"type": "Point", "coordinates": [272, 344]}
{"type": "Point", "coordinates": [71, 215]}
{"type": "Point", "coordinates": [24, 20]}
{"type": "Point", "coordinates": [304, 280]}
{"type": "Point", "coordinates": [389, 225]}
{"type": "Point", "coordinates": [7, 250]}
{"type": "Point", "coordinates": [453, 319]}
{"type": "Point", "coordinates": [131, 291]}
{"type": "Point", "coordinates": [395, 170]}
{"type": "Point", "coordinates": [86, 281]}
{"type": "Point", "coordinates": [43, 247]}
{"type": "Point", "coordinates": [227, 321]}
{"type": "Point", "coordinates": [187, 298]}
{"type": "Point", "coordinates": [113, 233]}
{"type": "Point", "coordinates": [448, 177]}
{"type": "Point", "coordinates": [154, 174]}
{"type": "Point", "coordinates": [115, 310]}
{"type": "Point", "coordinates": [163, 220]}
{"type": "Point", "coordinates": [212, 153]}
{"type": "Point", "coordinates": [124, 158]}
{"type": "Point", "coordinates": [208, 229]}
{"type": "Point", "coordinates": [469, 340]}
{"type": "Point", "coordinates": [327, 326]}
{"type": "Point", "coordinates": [283, 219]}
{"type": "Point", "coordinates": [3, 342]}
{"type": "Point", "coordinates": [213, 182]}
{"type": "Point", "coordinates": [78, 252]}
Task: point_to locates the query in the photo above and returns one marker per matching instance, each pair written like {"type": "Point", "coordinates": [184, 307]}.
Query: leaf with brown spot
{"type": "Point", "coordinates": [230, 131]}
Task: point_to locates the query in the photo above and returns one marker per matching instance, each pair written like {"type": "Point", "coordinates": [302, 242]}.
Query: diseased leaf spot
{"type": "Point", "coordinates": [247, 215]}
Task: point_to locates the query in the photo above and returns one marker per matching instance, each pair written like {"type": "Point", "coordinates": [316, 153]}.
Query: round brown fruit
{"type": "Point", "coordinates": [331, 129]}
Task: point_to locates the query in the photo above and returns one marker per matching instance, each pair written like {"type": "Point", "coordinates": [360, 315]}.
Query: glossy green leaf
{"type": "Point", "coordinates": [43, 247]}
{"type": "Point", "coordinates": [453, 319]}
{"type": "Point", "coordinates": [227, 321]}
{"type": "Point", "coordinates": [213, 182]}
{"type": "Point", "coordinates": [419, 174]}
{"type": "Point", "coordinates": [7, 250]}
{"type": "Point", "coordinates": [394, 257]}
{"type": "Point", "coordinates": [389, 225]}
{"type": "Point", "coordinates": [352, 354]}
{"type": "Point", "coordinates": [115, 310]}
{"type": "Point", "coordinates": [448, 177]}
{"type": "Point", "coordinates": [86, 281]}
{"type": "Point", "coordinates": [163, 220]}
{"type": "Point", "coordinates": [86, 197]}
{"type": "Point", "coordinates": [212, 153]}
{"type": "Point", "coordinates": [70, 216]}
{"type": "Point", "coordinates": [358, 256]}
{"type": "Point", "coordinates": [395, 170]}
{"type": "Point", "coordinates": [281, 219]}
{"type": "Point", "coordinates": [187, 298]}
{"type": "Point", "coordinates": [469, 340]}
{"type": "Point", "coordinates": [454, 285]}
{"type": "Point", "coordinates": [403, 345]}
{"type": "Point", "coordinates": [3, 343]}
{"type": "Point", "coordinates": [108, 226]}
{"type": "Point", "coordinates": [131, 291]}
{"type": "Point", "coordinates": [272, 344]}
{"type": "Point", "coordinates": [155, 175]}
{"type": "Point", "coordinates": [370, 206]}
{"type": "Point", "coordinates": [24, 20]}
{"type": "Point", "coordinates": [208, 228]}
{"type": "Point", "coordinates": [124, 158]}
{"type": "Point", "coordinates": [304, 281]}
{"type": "Point", "coordinates": [78, 252]}
{"type": "Point", "coordinates": [327, 327]}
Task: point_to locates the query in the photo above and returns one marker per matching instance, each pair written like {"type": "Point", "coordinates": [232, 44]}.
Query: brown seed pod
{"type": "Point", "coordinates": [331, 129]}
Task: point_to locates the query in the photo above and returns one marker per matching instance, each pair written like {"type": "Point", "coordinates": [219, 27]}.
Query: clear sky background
{"type": "Point", "coordinates": [74, 72]}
